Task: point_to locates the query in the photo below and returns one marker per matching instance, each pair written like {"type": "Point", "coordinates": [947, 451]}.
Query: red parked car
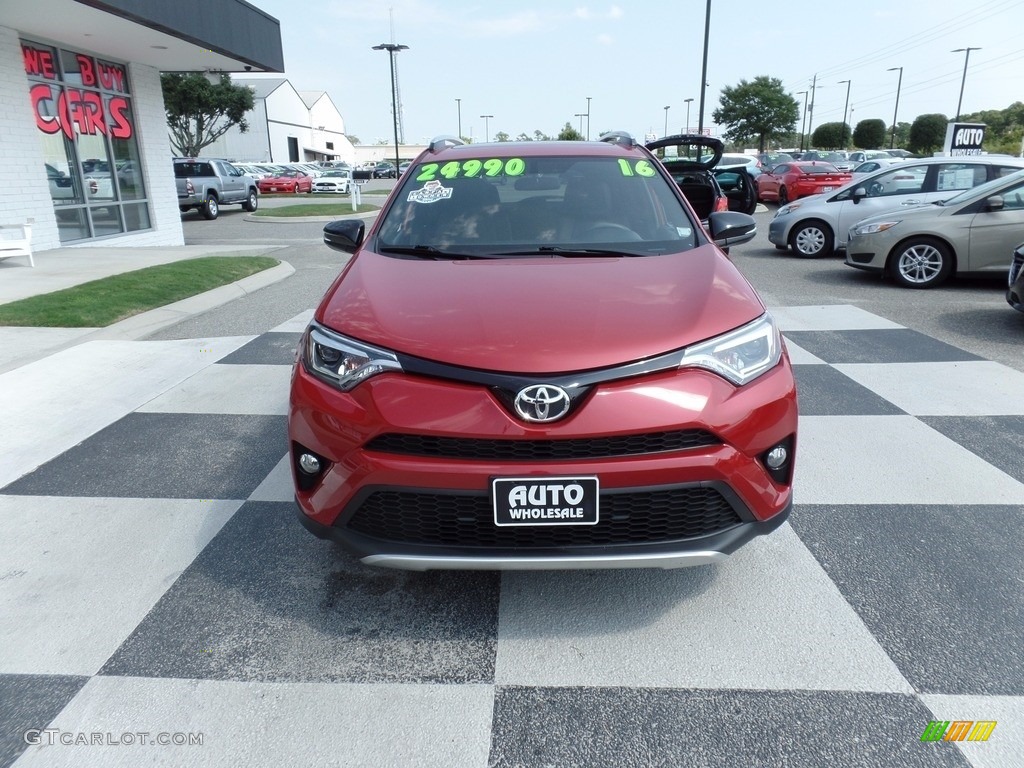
{"type": "Point", "coordinates": [537, 357]}
{"type": "Point", "coordinates": [286, 181]}
{"type": "Point", "coordinates": [791, 181]}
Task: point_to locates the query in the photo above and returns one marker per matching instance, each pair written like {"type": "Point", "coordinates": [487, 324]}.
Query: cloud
{"type": "Point", "coordinates": [605, 39]}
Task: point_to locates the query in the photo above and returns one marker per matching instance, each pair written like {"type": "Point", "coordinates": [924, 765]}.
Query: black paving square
{"type": "Point", "coordinates": [268, 349]}
{"type": "Point", "coordinates": [824, 391]}
{"type": "Point", "coordinates": [999, 440]}
{"type": "Point", "coordinates": [28, 703]}
{"type": "Point", "coordinates": [940, 587]}
{"type": "Point", "coordinates": [667, 728]}
{"type": "Point", "coordinates": [165, 455]}
{"type": "Point", "coordinates": [268, 601]}
{"type": "Point", "coordinates": [892, 345]}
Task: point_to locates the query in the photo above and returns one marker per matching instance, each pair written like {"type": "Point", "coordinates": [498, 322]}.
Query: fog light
{"type": "Point", "coordinates": [776, 457]}
{"type": "Point", "coordinates": [309, 464]}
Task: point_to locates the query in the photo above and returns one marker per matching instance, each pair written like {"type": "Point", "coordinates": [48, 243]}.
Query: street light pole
{"type": "Point", "coordinates": [846, 106]}
{"type": "Point", "coordinates": [803, 119]}
{"type": "Point", "coordinates": [666, 122]}
{"type": "Point", "coordinates": [704, 68]}
{"type": "Point", "coordinates": [688, 102]}
{"type": "Point", "coordinates": [967, 57]}
{"type": "Point", "coordinates": [487, 126]}
{"type": "Point", "coordinates": [581, 115]}
{"type": "Point", "coordinates": [458, 105]}
{"type": "Point", "coordinates": [392, 49]}
{"type": "Point", "coordinates": [588, 118]}
{"type": "Point", "coordinates": [896, 109]}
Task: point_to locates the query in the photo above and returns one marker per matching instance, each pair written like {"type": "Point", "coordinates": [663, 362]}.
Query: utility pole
{"type": "Point", "coordinates": [810, 118]}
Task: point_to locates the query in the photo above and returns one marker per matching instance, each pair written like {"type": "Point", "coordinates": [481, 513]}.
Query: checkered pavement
{"type": "Point", "coordinates": [154, 584]}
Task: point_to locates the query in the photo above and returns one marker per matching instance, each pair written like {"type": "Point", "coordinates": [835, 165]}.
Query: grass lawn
{"type": "Point", "coordinates": [99, 303]}
{"type": "Point", "coordinates": [316, 209]}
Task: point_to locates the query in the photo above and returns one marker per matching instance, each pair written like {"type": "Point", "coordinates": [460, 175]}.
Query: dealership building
{"type": "Point", "coordinates": [84, 154]}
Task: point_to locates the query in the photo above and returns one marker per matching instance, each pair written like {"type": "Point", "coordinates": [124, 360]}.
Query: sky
{"type": "Point", "coordinates": [538, 64]}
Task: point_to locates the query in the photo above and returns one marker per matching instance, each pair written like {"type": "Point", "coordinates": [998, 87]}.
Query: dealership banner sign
{"type": "Point", "coordinates": [963, 139]}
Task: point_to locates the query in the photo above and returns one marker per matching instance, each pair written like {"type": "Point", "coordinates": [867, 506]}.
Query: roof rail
{"type": "Point", "coordinates": [619, 137]}
{"type": "Point", "coordinates": [440, 142]}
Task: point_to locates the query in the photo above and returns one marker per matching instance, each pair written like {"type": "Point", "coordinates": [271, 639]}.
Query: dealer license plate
{"type": "Point", "coordinates": [545, 500]}
{"type": "Point", "coordinates": [827, 189]}
{"type": "Point", "coordinates": [273, 189]}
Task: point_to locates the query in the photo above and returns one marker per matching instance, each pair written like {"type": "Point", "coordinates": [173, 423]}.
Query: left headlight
{"type": "Point", "coordinates": [874, 228]}
{"type": "Point", "coordinates": [740, 355]}
{"type": "Point", "coordinates": [343, 362]}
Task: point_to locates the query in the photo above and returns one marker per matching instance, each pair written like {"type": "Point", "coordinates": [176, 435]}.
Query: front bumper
{"type": "Point", "coordinates": [409, 463]}
{"type": "Point", "coordinates": [778, 230]}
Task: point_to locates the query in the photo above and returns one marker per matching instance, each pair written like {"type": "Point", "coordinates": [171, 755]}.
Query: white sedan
{"type": "Point", "coordinates": [333, 181]}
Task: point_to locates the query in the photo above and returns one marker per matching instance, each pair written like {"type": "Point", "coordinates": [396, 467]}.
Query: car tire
{"type": "Point", "coordinates": [252, 202]}
{"type": "Point", "coordinates": [211, 208]}
{"type": "Point", "coordinates": [921, 262]}
{"type": "Point", "coordinates": [811, 239]}
{"type": "Point", "coordinates": [295, 189]}
{"type": "Point", "coordinates": [783, 196]}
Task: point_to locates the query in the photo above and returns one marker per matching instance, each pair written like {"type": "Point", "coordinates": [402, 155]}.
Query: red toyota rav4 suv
{"type": "Point", "coordinates": [537, 357]}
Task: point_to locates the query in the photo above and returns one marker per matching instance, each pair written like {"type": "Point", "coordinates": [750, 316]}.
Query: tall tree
{"type": "Point", "coordinates": [200, 111]}
{"type": "Point", "coordinates": [870, 134]}
{"type": "Point", "coordinates": [568, 133]}
{"type": "Point", "coordinates": [760, 110]}
{"type": "Point", "coordinates": [927, 134]}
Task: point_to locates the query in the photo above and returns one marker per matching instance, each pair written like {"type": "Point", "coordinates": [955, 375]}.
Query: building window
{"type": "Point", "coordinates": [83, 109]}
{"type": "Point", "coordinates": [293, 149]}
{"type": "Point", "coordinates": [330, 145]}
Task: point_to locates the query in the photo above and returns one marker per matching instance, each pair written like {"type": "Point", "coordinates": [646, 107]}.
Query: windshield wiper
{"type": "Point", "coordinates": [430, 252]}
{"type": "Point", "coordinates": [554, 250]}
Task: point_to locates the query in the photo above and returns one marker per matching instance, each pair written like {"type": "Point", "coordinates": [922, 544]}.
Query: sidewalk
{"type": "Point", "coordinates": [65, 267]}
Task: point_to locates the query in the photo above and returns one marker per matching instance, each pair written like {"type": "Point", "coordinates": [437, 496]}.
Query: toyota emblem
{"type": "Point", "coordinates": [542, 402]}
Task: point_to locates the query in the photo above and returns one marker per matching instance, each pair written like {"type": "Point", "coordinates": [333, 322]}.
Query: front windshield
{"type": "Point", "coordinates": [984, 190]}
{"type": "Point", "coordinates": [517, 205]}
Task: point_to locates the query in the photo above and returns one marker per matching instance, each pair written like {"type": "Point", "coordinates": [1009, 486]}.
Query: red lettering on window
{"type": "Point", "coordinates": [39, 94]}
{"type": "Point", "coordinates": [111, 77]}
{"type": "Point", "coordinates": [120, 127]}
{"type": "Point", "coordinates": [85, 67]}
{"type": "Point", "coordinates": [93, 108]}
{"type": "Point", "coordinates": [38, 62]}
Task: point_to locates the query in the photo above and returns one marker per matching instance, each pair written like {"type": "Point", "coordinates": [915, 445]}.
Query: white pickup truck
{"type": "Point", "coordinates": [207, 183]}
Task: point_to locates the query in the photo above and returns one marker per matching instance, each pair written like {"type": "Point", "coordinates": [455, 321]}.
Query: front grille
{"type": "Point", "coordinates": [542, 450]}
{"type": "Point", "coordinates": [640, 517]}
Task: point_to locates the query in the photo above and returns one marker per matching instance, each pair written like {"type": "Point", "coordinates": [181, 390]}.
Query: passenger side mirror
{"type": "Point", "coordinates": [728, 228]}
{"type": "Point", "coordinates": [345, 234]}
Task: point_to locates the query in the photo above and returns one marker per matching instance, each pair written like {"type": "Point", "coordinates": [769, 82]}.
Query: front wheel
{"type": "Point", "coordinates": [211, 208]}
{"type": "Point", "coordinates": [251, 202]}
{"type": "Point", "coordinates": [811, 239]}
{"type": "Point", "coordinates": [921, 262]}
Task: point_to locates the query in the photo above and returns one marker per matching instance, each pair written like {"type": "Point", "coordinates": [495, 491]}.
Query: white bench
{"type": "Point", "coordinates": [16, 240]}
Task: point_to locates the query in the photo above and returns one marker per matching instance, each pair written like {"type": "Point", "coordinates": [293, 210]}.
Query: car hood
{"type": "Point", "coordinates": [908, 213]}
{"type": "Point", "coordinates": [539, 315]}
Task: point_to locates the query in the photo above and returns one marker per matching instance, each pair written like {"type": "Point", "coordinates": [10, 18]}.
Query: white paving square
{"type": "Point", "coordinates": [77, 575]}
{"type": "Point", "coordinates": [891, 460]}
{"type": "Point", "coordinates": [275, 725]}
{"type": "Point", "coordinates": [72, 395]}
{"type": "Point", "coordinates": [832, 317]}
{"type": "Point", "coordinates": [233, 389]}
{"type": "Point", "coordinates": [768, 618]}
{"type": "Point", "coordinates": [800, 356]}
{"type": "Point", "coordinates": [967, 388]}
{"type": "Point", "coordinates": [1005, 745]}
{"type": "Point", "coordinates": [277, 486]}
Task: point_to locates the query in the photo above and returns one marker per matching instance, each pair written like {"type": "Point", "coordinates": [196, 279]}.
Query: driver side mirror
{"type": "Point", "coordinates": [858, 194]}
{"type": "Point", "coordinates": [994, 203]}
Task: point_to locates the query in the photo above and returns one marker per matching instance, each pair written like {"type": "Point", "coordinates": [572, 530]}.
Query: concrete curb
{"type": "Point", "coordinates": [145, 323]}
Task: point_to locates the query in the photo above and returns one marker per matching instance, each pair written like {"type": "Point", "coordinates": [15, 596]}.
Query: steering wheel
{"type": "Point", "coordinates": [875, 188]}
{"type": "Point", "coordinates": [608, 230]}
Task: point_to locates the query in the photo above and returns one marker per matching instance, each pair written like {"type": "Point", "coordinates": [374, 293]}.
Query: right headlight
{"type": "Point", "coordinates": [787, 209]}
{"type": "Point", "coordinates": [343, 362]}
{"type": "Point", "coordinates": [740, 355]}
